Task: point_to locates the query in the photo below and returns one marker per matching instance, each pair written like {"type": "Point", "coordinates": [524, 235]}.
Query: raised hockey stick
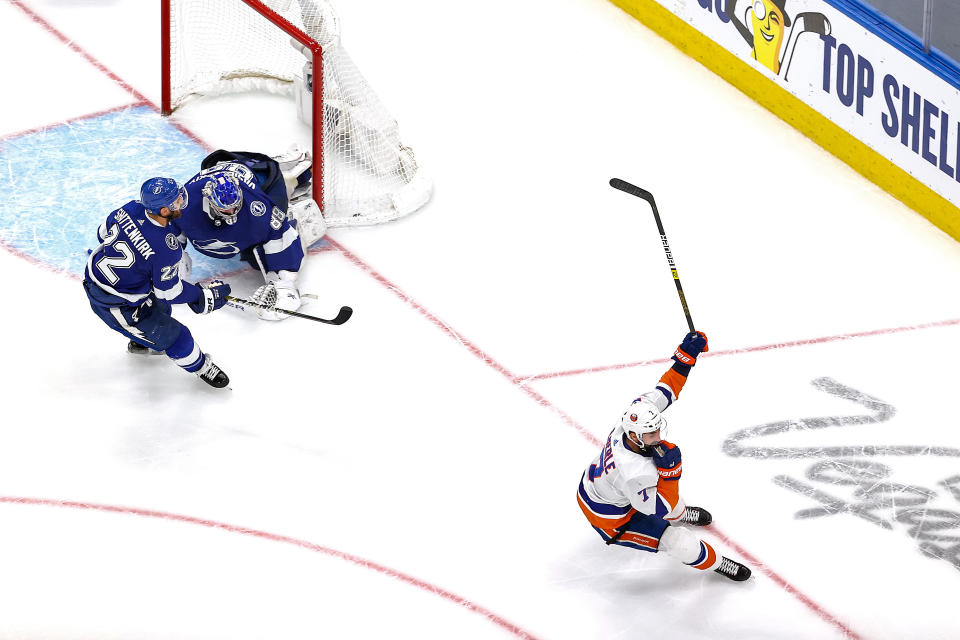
{"type": "Point", "coordinates": [626, 187]}
{"type": "Point", "coordinates": [342, 316]}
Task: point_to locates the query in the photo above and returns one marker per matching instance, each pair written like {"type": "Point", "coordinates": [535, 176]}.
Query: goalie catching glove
{"type": "Point", "coordinates": [272, 296]}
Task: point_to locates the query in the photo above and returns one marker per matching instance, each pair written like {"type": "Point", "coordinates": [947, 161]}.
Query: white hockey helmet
{"type": "Point", "coordinates": [642, 416]}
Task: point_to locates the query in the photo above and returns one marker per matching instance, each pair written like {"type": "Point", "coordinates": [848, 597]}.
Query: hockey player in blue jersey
{"type": "Point", "coordinates": [238, 205]}
{"type": "Point", "coordinates": [132, 278]}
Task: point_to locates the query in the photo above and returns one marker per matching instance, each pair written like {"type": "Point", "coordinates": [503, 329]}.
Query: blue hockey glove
{"type": "Point", "coordinates": [213, 295]}
{"type": "Point", "coordinates": [694, 343]}
{"type": "Point", "coordinates": [666, 457]}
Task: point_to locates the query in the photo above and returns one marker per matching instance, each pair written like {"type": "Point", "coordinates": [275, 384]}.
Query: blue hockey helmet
{"type": "Point", "coordinates": [224, 198]}
{"type": "Point", "coordinates": [157, 193]}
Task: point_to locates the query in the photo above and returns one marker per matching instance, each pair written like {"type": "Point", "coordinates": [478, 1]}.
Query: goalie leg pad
{"type": "Point", "coordinates": [296, 166]}
{"type": "Point", "coordinates": [310, 223]}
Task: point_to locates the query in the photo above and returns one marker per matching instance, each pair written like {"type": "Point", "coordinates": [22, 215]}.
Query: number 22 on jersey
{"type": "Point", "coordinates": [107, 264]}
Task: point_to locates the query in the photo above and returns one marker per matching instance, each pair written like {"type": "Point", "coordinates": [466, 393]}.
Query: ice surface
{"type": "Point", "coordinates": [412, 473]}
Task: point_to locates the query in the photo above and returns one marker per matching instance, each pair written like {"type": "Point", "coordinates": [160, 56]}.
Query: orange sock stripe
{"type": "Point", "coordinates": [674, 380]}
{"type": "Point", "coordinates": [711, 557]}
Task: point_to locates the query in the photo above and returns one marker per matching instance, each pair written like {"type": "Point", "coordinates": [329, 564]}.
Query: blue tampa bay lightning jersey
{"type": "Point", "coordinates": [260, 224]}
{"type": "Point", "coordinates": [136, 257]}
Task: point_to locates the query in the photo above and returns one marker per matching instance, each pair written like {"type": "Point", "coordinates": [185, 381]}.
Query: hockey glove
{"type": "Point", "coordinates": [692, 346]}
{"type": "Point", "coordinates": [213, 295]}
{"type": "Point", "coordinates": [666, 457]}
{"type": "Point", "coordinates": [276, 295]}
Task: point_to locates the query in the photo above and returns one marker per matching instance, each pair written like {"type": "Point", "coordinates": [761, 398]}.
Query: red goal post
{"type": "Point", "coordinates": [363, 173]}
{"type": "Point", "coordinates": [293, 32]}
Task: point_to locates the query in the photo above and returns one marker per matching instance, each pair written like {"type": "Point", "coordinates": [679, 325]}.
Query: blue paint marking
{"type": "Point", "coordinates": [59, 184]}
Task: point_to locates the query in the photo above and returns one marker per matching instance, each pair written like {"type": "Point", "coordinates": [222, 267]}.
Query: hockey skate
{"type": "Point", "coordinates": [733, 569]}
{"type": "Point", "coordinates": [211, 373]}
{"type": "Point", "coordinates": [695, 516]}
{"type": "Point", "coordinates": [138, 349]}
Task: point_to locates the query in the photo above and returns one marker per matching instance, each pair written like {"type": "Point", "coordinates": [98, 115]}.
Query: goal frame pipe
{"type": "Point", "coordinates": [166, 98]}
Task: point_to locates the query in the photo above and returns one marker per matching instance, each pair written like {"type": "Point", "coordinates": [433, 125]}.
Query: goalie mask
{"type": "Point", "coordinates": [222, 199]}
{"type": "Point", "coordinates": [642, 416]}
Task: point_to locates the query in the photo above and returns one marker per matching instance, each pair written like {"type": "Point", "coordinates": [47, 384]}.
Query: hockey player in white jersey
{"type": "Point", "coordinates": [631, 491]}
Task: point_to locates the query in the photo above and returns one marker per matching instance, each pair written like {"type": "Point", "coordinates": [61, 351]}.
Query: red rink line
{"type": "Point", "coordinates": [520, 382]}
{"type": "Point", "coordinates": [766, 347]}
{"type": "Point", "coordinates": [456, 335]}
{"type": "Point", "coordinates": [141, 99]}
{"type": "Point", "coordinates": [76, 49]}
{"type": "Point", "coordinates": [272, 537]}
{"type": "Point", "coordinates": [786, 586]}
{"type": "Point", "coordinates": [69, 121]}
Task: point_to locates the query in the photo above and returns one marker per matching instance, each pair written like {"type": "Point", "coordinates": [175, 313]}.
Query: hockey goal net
{"type": "Point", "coordinates": [363, 173]}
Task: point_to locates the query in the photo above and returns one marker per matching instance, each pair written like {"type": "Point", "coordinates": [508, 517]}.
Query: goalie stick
{"type": "Point", "coordinates": [626, 187]}
{"type": "Point", "coordinates": [342, 316]}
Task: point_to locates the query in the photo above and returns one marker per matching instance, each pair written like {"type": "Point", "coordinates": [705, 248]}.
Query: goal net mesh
{"type": "Point", "coordinates": [225, 46]}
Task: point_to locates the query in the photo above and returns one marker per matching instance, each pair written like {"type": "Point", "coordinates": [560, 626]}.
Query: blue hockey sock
{"type": "Point", "coordinates": [185, 352]}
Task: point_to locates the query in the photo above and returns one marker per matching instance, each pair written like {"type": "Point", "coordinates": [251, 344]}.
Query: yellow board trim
{"type": "Point", "coordinates": [870, 164]}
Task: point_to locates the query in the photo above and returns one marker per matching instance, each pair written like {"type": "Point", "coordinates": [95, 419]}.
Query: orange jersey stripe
{"type": "Point", "coordinates": [600, 521]}
{"type": "Point", "coordinates": [669, 490]}
{"type": "Point", "coordinates": [673, 380]}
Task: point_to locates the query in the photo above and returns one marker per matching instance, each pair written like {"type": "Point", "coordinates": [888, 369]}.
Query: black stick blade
{"type": "Point", "coordinates": [633, 190]}
{"type": "Point", "coordinates": [343, 316]}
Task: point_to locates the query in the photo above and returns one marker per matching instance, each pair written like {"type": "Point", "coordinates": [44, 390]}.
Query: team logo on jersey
{"type": "Point", "coordinates": [257, 208]}
{"type": "Point", "coordinates": [171, 241]}
{"type": "Point", "coordinates": [215, 247]}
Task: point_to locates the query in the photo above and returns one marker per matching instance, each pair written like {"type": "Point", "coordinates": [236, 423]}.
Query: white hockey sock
{"type": "Point", "coordinates": [685, 546]}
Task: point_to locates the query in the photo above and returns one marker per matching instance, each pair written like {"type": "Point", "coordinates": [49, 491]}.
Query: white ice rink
{"type": "Point", "coordinates": [412, 473]}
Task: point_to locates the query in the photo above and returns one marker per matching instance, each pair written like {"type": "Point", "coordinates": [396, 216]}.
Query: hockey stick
{"type": "Point", "coordinates": [626, 187]}
{"type": "Point", "coordinates": [342, 316]}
